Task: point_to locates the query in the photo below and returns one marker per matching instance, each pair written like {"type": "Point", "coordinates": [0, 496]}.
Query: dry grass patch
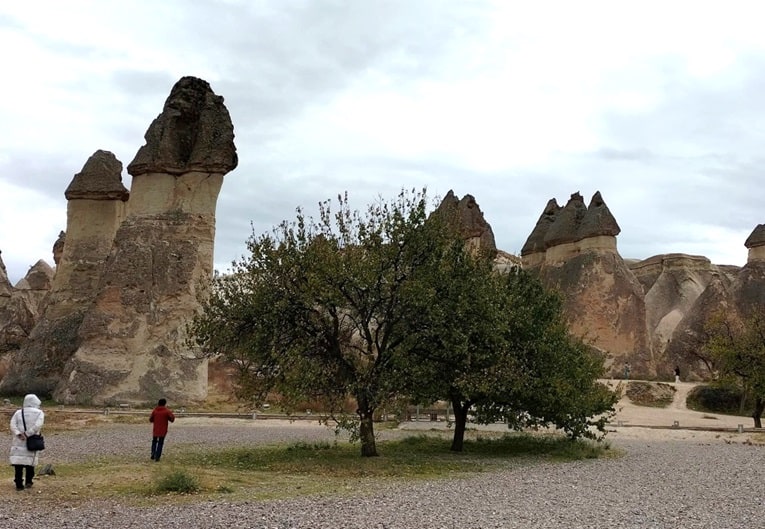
{"type": "Point", "coordinates": [297, 469]}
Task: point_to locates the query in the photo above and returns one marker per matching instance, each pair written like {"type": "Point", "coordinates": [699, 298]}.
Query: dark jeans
{"type": "Point", "coordinates": [156, 447]}
{"type": "Point", "coordinates": [19, 475]}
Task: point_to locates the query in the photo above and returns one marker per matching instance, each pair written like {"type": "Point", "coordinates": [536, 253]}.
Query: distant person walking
{"type": "Point", "coordinates": [160, 416]}
{"type": "Point", "coordinates": [22, 458]}
{"type": "Point", "coordinates": [626, 370]}
{"type": "Point", "coordinates": [677, 374]}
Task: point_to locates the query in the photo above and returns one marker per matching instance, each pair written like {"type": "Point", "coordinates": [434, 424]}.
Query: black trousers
{"type": "Point", "coordinates": [156, 447]}
{"type": "Point", "coordinates": [19, 475]}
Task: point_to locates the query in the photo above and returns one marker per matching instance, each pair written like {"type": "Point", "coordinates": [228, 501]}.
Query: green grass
{"type": "Point", "coordinates": [179, 481]}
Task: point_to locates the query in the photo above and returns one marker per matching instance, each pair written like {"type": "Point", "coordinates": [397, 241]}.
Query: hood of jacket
{"type": "Point", "coordinates": [31, 401]}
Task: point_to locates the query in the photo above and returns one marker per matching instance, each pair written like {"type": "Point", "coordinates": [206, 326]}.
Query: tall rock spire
{"type": "Point", "coordinates": [95, 208]}
{"type": "Point", "coordinates": [133, 336]}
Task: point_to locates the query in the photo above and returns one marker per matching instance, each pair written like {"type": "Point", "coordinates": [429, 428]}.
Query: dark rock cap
{"type": "Point", "coordinates": [100, 179]}
{"type": "Point", "coordinates": [756, 238]}
{"type": "Point", "coordinates": [536, 240]}
{"type": "Point", "coordinates": [193, 133]}
{"type": "Point", "coordinates": [470, 219]}
{"type": "Point", "coordinates": [565, 229]}
{"type": "Point", "coordinates": [598, 220]}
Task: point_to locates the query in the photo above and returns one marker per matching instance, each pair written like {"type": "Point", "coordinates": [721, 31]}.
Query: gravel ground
{"type": "Point", "coordinates": [656, 484]}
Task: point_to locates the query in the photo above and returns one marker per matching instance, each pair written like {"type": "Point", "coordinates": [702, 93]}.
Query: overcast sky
{"type": "Point", "coordinates": [658, 105]}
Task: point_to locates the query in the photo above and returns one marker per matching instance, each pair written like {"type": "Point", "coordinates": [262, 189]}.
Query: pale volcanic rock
{"type": "Point", "coordinates": [604, 305]}
{"type": "Point", "coordinates": [603, 301]}
{"type": "Point", "coordinates": [689, 336]}
{"type": "Point", "coordinates": [39, 277]}
{"type": "Point", "coordinates": [20, 305]}
{"type": "Point", "coordinates": [95, 208]}
{"type": "Point", "coordinates": [133, 336]}
{"type": "Point", "coordinates": [673, 283]}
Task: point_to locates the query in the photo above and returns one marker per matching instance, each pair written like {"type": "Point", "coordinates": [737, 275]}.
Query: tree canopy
{"type": "Point", "coordinates": [392, 304]}
{"type": "Point", "coordinates": [498, 344]}
{"type": "Point", "coordinates": [737, 347]}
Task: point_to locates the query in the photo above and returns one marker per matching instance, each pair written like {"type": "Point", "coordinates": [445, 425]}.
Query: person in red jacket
{"type": "Point", "coordinates": [160, 416]}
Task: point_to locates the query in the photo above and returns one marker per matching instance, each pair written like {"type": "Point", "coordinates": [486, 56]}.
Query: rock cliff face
{"type": "Point", "coordinates": [574, 251]}
{"type": "Point", "coordinates": [130, 265]}
{"type": "Point", "coordinates": [20, 305]}
{"type": "Point", "coordinates": [738, 292]}
{"type": "Point", "coordinates": [673, 283]}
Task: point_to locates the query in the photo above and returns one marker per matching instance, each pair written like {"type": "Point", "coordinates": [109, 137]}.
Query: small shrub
{"type": "Point", "coordinates": [309, 447]}
{"type": "Point", "coordinates": [653, 394]}
{"type": "Point", "coordinates": [178, 481]}
{"type": "Point", "coordinates": [718, 399]}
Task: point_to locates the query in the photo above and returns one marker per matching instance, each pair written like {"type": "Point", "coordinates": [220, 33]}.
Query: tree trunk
{"type": "Point", "coordinates": [366, 428]}
{"type": "Point", "coordinates": [460, 421]}
{"type": "Point", "coordinates": [759, 407]}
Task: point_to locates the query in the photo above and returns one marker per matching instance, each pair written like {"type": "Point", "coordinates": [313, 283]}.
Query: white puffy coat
{"type": "Point", "coordinates": [34, 418]}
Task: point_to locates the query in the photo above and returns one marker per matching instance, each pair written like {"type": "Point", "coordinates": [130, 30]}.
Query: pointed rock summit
{"type": "Point", "coordinates": [565, 229]}
{"type": "Point", "coordinates": [536, 241]}
{"type": "Point", "coordinates": [598, 220]}
{"type": "Point", "coordinates": [471, 223]}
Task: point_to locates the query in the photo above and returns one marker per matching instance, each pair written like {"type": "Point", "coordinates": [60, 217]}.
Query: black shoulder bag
{"type": "Point", "coordinates": [35, 442]}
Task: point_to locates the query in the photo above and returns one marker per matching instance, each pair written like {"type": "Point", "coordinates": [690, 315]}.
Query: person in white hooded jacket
{"type": "Point", "coordinates": [20, 457]}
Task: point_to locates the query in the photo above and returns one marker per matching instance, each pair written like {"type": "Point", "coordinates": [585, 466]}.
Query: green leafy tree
{"type": "Point", "coordinates": [738, 349]}
{"type": "Point", "coordinates": [314, 311]}
{"type": "Point", "coordinates": [497, 344]}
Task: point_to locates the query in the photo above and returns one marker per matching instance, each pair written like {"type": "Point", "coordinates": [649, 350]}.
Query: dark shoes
{"type": "Point", "coordinates": [28, 485]}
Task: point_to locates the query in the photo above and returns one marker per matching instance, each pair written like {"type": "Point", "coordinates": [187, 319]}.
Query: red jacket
{"type": "Point", "coordinates": [161, 416]}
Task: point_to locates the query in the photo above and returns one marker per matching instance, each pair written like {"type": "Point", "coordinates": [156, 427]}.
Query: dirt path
{"type": "Point", "coordinates": [681, 394]}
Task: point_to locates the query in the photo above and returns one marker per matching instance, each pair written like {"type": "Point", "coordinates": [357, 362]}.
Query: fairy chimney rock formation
{"type": "Point", "coordinates": [95, 208]}
{"type": "Point", "coordinates": [533, 251]}
{"type": "Point", "coordinates": [561, 233]}
{"type": "Point", "coordinates": [133, 337]}
{"type": "Point", "coordinates": [574, 251]}
{"type": "Point", "coordinates": [599, 228]}
{"type": "Point", "coordinates": [756, 244]}
{"type": "Point", "coordinates": [471, 223]}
